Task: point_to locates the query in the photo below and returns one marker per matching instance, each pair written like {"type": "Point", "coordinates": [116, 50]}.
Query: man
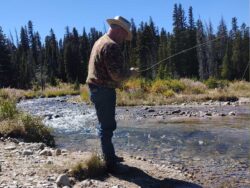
{"type": "Point", "coordinates": [106, 71]}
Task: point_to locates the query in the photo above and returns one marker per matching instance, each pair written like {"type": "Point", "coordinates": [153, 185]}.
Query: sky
{"type": "Point", "coordinates": [57, 14]}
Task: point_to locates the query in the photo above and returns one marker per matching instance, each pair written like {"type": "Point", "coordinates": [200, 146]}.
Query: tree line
{"type": "Point", "coordinates": [224, 54]}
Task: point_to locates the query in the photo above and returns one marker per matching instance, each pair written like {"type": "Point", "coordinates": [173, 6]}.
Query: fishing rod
{"type": "Point", "coordinates": [178, 53]}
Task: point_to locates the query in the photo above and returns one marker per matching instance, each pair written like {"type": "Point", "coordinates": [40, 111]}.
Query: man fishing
{"type": "Point", "coordinates": [106, 71]}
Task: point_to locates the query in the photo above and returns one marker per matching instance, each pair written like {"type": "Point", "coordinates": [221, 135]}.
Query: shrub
{"type": "Point", "coordinates": [176, 85]}
{"type": "Point", "coordinates": [136, 84]}
{"type": "Point", "coordinates": [12, 128]}
{"type": "Point", "coordinates": [36, 131]}
{"type": "Point", "coordinates": [193, 87]}
{"type": "Point", "coordinates": [84, 93]}
{"type": "Point", "coordinates": [213, 83]}
{"type": "Point", "coordinates": [7, 109]}
{"type": "Point", "coordinates": [168, 93]}
{"type": "Point", "coordinates": [4, 94]}
{"type": "Point", "coordinates": [93, 167]}
{"type": "Point", "coordinates": [160, 86]}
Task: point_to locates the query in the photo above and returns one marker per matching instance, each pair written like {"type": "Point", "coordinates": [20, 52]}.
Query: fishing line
{"type": "Point", "coordinates": [178, 53]}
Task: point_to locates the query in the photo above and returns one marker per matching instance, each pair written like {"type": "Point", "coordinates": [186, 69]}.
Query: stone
{"type": "Point", "coordinates": [231, 113]}
{"type": "Point", "coordinates": [58, 152]}
{"type": "Point", "coordinates": [222, 114]}
{"type": "Point", "coordinates": [151, 110]}
{"type": "Point", "coordinates": [49, 162]}
{"type": "Point", "coordinates": [63, 180]}
{"type": "Point", "coordinates": [176, 111]}
{"type": "Point", "coordinates": [57, 116]}
{"type": "Point", "coordinates": [138, 157]}
{"type": "Point", "coordinates": [201, 142]}
{"type": "Point", "coordinates": [27, 152]}
{"type": "Point", "coordinates": [196, 159]}
{"type": "Point", "coordinates": [182, 113]}
{"type": "Point", "coordinates": [10, 148]}
{"type": "Point", "coordinates": [45, 152]}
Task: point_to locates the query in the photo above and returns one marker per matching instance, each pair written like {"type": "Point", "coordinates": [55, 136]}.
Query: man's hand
{"type": "Point", "coordinates": [134, 72]}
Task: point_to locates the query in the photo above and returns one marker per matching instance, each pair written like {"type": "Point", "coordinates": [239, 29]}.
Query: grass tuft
{"type": "Point", "coordinates": [19, 125]}
{"type": "Point", "coordinates": [91, 168]}
{"type": "Point", "coordinates": [7, 109]}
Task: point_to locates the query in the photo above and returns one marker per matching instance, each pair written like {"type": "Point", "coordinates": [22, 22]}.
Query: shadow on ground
{"type": "Point", "coordinates": [142, 179]}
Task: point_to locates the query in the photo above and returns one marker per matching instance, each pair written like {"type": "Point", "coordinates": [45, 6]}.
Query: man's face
{"type": "Point", "coordinates": [122, 35]}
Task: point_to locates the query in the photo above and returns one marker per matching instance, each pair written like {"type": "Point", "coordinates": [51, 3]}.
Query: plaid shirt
{"type": "Point", "coordinates": [106, 64]}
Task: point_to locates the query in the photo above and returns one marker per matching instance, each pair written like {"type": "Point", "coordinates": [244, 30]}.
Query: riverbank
{"type": "Point", "coordinates": [137, 92]}
{"type": "Point", "coordinates": [28, 165]}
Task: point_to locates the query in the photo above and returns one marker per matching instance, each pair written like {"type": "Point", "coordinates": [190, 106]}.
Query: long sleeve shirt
{"type": "Point", "coordinates": [106, 64]}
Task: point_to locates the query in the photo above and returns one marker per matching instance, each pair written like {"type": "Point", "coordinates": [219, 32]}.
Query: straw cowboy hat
{"type": "Point", "coordinates": [122, 22]}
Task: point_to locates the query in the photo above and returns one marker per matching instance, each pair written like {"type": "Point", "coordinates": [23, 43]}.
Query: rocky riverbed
{"type": "Point", "coordinates": [24, 165]}
{"type": "Point", "coordinates": [209, 142]}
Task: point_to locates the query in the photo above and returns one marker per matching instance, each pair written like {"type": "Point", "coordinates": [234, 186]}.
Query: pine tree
{"type": "Point", "coordinates": [24, 61]}
{"type": "Point", "coordinates": [85, 53]}
{"type": "Point", "coordinates": [5, 62]}
{"type": "Point", "coordinates": [61, 65]}
{"type": "Point", "coordinates": [147, 49]}
{"type": "Point", "coordinates": [212, 64]}
{"type": "Point", "coordinates": [51, 57]}
{"type": "Point", "coordinates": [201, 52]}
{"type": "Point", "coordinates": [236, 50]}
{"type": "Point", "coordinates": [226, 72]}
{"type": "Point", "coordinates": [179, 41]}
{"type": "Point", "coordinates": [76, 58]}
{"type": "Point", "coordinates": [191, 59]}
{"type": "Point", "coordinates": [221, 43]}
{"type": "Point", "coordinates": [245, 51]}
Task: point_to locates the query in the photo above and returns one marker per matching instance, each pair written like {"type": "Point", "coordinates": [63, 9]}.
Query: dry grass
{"type": "Point", "coordinates": [61, 89]}
{"type": "Point", "coordinates": [193, 87]}
{"type": "Point", "coordinates": [91, 168]}
{"type": "Point", "coordinates": [84, 94]}
{"type": "Point", "coordinates": [161, 92]}
{"type": "Point", "coordinates": [239, 88]}
{"type": "Point", "coordinates": [143, 92]}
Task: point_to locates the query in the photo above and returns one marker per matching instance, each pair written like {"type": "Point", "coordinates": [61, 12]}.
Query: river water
{"type": "Point", "coordinates": [212, 148]}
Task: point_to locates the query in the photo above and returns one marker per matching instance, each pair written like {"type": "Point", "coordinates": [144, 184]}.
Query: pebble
{"type": "Point", "coordinates": [45, 152]}
{"type": "Point", "coordinates": [176, 111]}
{"type": "Point", "coordinates": [201, 142]}
{"type": "Point", "coordinates": [58, 152]}
{"type": "Point", "coordinates": [10, 148]}
{"type": "Point", "coordinates": [232, 113]}
{"type": "Point", "coordinates": [27, 152]}
{"type": "Point", "coordinates": [151, 110]}
{"type": "Point", "coordinates": [63, 180]}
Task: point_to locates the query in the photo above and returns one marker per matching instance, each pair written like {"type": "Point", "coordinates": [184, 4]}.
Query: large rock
{"type": "Point", "coordinates": [63, 180]}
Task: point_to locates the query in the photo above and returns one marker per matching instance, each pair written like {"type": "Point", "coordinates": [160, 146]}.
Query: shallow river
{"type": "Point", "coordinates": [218, 147]}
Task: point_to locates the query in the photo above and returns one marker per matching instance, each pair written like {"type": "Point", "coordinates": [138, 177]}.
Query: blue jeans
{"type": "Point", "coordinates": [104, 100]}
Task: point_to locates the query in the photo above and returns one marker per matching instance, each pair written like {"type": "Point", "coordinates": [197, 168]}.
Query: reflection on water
{"type": "Point", "coordinates": [204, 138]}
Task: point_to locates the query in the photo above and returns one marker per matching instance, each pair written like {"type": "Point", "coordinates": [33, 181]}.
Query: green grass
{"type": "Point", "coordinates": [7, 109]}
{"type": "Point", "coordinates": [14, 123]}
{"type": "Point", "coordinates": [91, 168]}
